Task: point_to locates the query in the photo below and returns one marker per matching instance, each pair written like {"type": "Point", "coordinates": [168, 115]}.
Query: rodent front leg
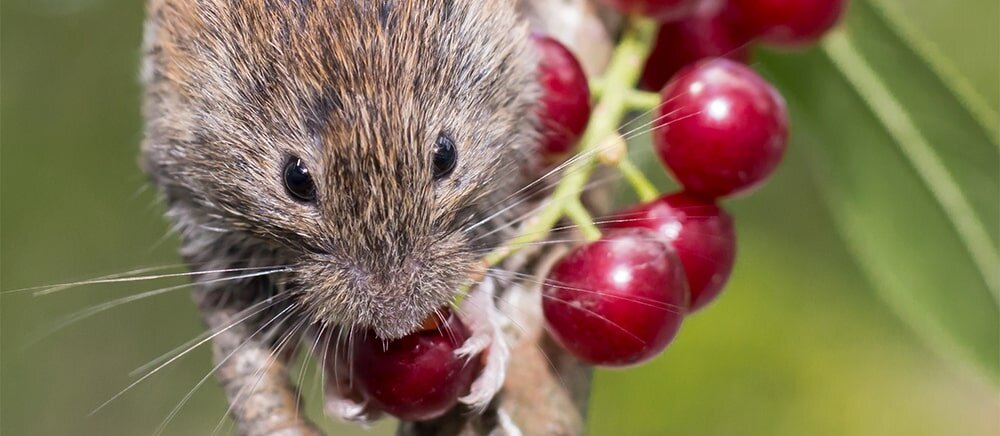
{"type": "Point", "coordinates": [253, 372]}
{"type": "Point", "coordinates": [480, 314]}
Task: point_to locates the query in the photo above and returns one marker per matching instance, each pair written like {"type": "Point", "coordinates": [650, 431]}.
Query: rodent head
{"type": "Point", "coordinates": [369, 98]}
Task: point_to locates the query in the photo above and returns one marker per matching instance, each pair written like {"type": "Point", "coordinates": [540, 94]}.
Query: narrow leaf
{"type": "Point", "coordinates": [910, 176]}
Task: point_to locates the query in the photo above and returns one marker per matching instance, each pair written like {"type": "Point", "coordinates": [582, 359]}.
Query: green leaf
{"type": "Point", "coordinates": [909, 166]}
{"type": "Point", "coordinates": [949, 74]}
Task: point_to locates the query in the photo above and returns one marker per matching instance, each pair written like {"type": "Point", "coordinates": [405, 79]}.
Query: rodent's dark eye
{"type": "Point", "coordinates": [445, 157]}
{"type": "Point", "coordinates": [298, 182]}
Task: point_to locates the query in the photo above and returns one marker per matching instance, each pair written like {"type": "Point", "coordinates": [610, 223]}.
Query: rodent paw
{"type": "Point", "coordinates": [346, 409]}
{"type": "Point", "coordinates": [486, 324]}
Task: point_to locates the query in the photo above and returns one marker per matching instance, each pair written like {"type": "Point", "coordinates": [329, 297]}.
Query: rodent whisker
{"type": "Point", "coordinates": [562, 240]}
{"type": "Point", "coordinates": [305, 364]}
{"type": "Point", "coordinates": [350, 364]}
{"type": "Point", "coordinates": [632, 133]}
{"type": "Point", "coordinates": [441, 322]}
{"type": "Point", "coordinates": [543, 204]}
{"type": "Point", "coordinates": [318, 379]}
{"type": "Point", "coordinates": [164, 364]}
{"type": "Point", "coordinates": [635, 132]}
{"type": "Point", "coordinates": [573, 226]}
{"type": "Point", "coordinates": [555, 170]}
{"type": "Point", "coordinates": [640, 130]}
{"type": "Point", "coordinates": [173, 412]}
{"type": "Point", "coordinates": [259, 374]}
{"type": "Point", "coordinates": [143, 187]}
{"type": "Point", "coordinates": [242, 316]}
{"type": "Point", "coordinates": [336, 354]}
{"type": "Point", "coordinates": [562, 166]}
{"type": "Point", "coordinates": [123, 278]}
{"type": "Point", "coordinates": [643, 301]}
{"type": "Point", "coordinates": [93, 310]}
{"type": "Point", "coordinates": [528, 187]}
{"type": "Point", "coordinates": [611, 219]}
{"type": "Point", "coordinates": [61, 286]}
{"type": "Point", "coordinates": [704, 235]}
{"type": "Point", "coordinates": [599, 316]}
{"type": "Point", "coordinates": [484, 251]}
{"type": "Point", "coordinates": [159, 241]}
{"type": "Point", "coordinates": [647, 112]}
{"type": "Point", "coordinates": [643, 132]}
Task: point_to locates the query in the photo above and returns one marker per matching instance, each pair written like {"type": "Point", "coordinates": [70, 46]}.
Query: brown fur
{"type": "Point", "coordinates": [360, 91]}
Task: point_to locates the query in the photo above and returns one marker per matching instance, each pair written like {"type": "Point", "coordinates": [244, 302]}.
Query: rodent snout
{"type": "Point", "coordinates": [391, 298]}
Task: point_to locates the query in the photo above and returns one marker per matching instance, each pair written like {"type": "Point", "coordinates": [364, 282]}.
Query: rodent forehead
{"type": "Point", "coordinates": [295, 62]}
{"type": "Point", "coordinates": [386, 92]}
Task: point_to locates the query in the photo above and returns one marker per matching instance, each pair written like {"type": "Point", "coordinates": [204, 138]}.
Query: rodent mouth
{"type": "Point", "coordinates": [390, 305]}
{"type": "Point", "coordinates": [391, 294]}
{"type": "Point", "coordinates": [390, 327]}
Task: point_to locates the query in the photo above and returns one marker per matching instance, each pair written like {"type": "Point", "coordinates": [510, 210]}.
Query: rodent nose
{"type": "Point", "coordinates": [383, 274]}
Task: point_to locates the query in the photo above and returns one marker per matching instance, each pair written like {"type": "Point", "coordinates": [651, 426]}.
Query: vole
{"type": "Point", "coordinates": [362, 149]}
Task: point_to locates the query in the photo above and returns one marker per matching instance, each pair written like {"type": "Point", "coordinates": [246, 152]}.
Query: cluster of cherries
{"type": "Point", "coordinates": [720, 129]}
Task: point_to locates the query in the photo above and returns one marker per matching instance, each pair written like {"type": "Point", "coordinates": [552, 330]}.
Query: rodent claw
{"type": "Point", "coordinates": [485, 322]}
{"type": "Point", "coordinates": [347, 410]}
{"type": "Point", "coordinates": [473, 346]}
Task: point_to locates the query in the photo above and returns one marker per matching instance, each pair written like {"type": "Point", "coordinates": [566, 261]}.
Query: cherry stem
{"type": "Point", "coordinates": [617, 85]}
{"type": "Point", "coordinates": [596, 88]}
{"type": "Point", "coordinates": [643, 188]}
{"type": "Point", "coordinates": [643, 100]}
{"type": "Point", "coordinates": [578, 214]}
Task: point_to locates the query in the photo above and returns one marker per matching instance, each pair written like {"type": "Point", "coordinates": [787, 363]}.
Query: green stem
{"type": "Point", "coordinates": [622, 74]}
{"type": "Point", "coordinates": [643, 100]}
{"type": "Point", "coordinates": [596, 88]}
{"type": "Point", "coordinates": [640, 184]}
{"type": "Point", "coordinates": [579, 215]}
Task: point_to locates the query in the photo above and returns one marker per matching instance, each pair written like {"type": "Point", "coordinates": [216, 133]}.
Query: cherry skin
{"type": "Point", "coordinates": [699, 231]}
{"type": "Point", "coordinates": [708, 32]}
{"type": "Point", "coordinates": [788, 22]}
{"type": "Point", "coordinates": [722, 128]}
{"type": "Point", "coordinates": [417, 377]}
{"type": "Point", "coordinates": [565, 102]}
{"type": "Point", "coordinates": [617, 301]}
{"type": "Point", "coordinates": [663, 10]}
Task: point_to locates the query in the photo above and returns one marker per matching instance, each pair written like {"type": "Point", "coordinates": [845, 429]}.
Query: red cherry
{"type": "Point", "coordinates": [417, 377]}
{"type": "Point", "coordinates": [709, 32]}
{"type": "Point", "coordinates": [788, 22]}
{"type": "Point", "coordinates": [699, 231]}
{"type": "Point", "coordinates": [662, 10]}
{"type": "Point", "coordinates": [565, 101]}
{"type": "Point", "coordinates": [617, 301]}
{"type": "Point", "coordinates": [722, 128]}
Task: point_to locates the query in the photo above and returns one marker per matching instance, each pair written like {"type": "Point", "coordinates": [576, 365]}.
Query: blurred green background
{"type": "Point", "coordinates": [799, 344]}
